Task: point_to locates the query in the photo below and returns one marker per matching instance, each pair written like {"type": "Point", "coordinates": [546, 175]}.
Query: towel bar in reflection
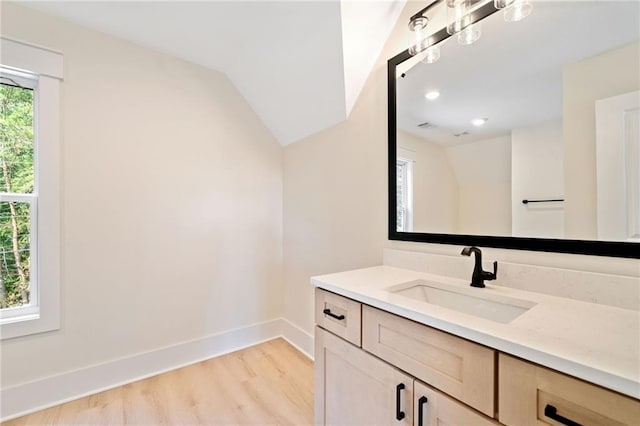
{"type": "Point", "coordinates": [542, 201]}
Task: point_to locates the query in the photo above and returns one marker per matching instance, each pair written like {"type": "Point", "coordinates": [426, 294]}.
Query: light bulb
{"type": "Point", "coordinates": [479, 121]}
{"type": "Point", "coordinates": [458, 16]}
{"type": "Point", "coordinates": [470, 34]}
{"type": "Point", "coordinates": [517, 10]}
{"type": "Point", "coordinates": [418, 35]}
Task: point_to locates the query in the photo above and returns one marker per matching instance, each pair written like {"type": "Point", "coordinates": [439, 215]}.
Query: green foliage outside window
{"type": "Point", "coordinates": [16, 176]}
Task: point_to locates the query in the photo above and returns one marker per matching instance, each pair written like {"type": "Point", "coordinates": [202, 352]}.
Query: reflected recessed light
{"type": "Point", "coordinates": [432, 95]}
{"type": "Point", "coordinates": [479, 121]}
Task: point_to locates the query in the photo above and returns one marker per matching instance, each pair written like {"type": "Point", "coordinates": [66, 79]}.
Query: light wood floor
{"type": "Point", "coordinates": [267, 384]}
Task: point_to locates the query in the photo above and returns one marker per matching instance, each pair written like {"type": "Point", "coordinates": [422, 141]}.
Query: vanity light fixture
{"type": "Point", "coordinates": [479, 121]}
{"type": "Point", "coordinates": [419, 40]}
{"type": "Point", "coordinates": [432, 95]}
{"type": "Point", "coordinates": [458, 17]}
{"type": "Point", "coordinates": [459, 22]}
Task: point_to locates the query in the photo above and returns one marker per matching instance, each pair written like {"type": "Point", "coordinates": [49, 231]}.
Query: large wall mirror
{"type": "Point", "coordinates": [533, 139]}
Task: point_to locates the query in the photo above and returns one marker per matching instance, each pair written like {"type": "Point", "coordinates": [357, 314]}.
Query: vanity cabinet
{"type": "Point", "coordinates": [460, 368]}
{"type": "Point", "coordinates": [533, 395]}
{"type": "Point", "coordinates": [377, 368]}
{"type": "Point", "coordinates": [340, 315]}
{"type": "Point", "coordinates": [382, 382]}
{"type": "Point", "coordinates": [355, 388]}
{"type": "Point", "coordinates": [432, 408]}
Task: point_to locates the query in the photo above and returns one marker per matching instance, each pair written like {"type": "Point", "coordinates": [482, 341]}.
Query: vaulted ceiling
{"type": "Point", "coordinates": [300, 64]}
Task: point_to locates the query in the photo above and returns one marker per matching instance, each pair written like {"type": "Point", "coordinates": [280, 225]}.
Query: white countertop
{"type": "Point", "coordinates": [597, 343]}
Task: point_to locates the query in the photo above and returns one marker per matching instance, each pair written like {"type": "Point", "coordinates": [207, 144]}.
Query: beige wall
{"type": "Point", "coordinates": [172, 204]}
{"type": "Point", "coordinates": [609, 74]}
{"type": "Point", "coordinates": [483, 172]}
{"type": "Point", "coordinates": [453, 189]}
{"type": "Point", "coordinates": [537, 160]}
{"type": "Point", "coordinates": [335, 191]}
{"type": "Point", "coordinates": [335, 186]}
{"type": "Point", "coordinates": [485, 210]}
{"type": "Point", "coordinates": [435, 190]}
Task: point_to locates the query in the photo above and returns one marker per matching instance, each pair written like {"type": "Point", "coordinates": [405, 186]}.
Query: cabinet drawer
{"type": "Point", "coordinates": [526, 391]}
{"type": "Point", "coordinates": [355, 388]}
{"type": "Point", "coordinates": [339, 315]}
{"type": "Point", "coordinates": [435, 408]}
{"type": "Point", "coordinates": [460, 368]}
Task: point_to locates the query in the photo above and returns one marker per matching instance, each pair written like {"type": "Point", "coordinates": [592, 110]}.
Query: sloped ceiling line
{"type": "Point", "coordinates": [300, 65]}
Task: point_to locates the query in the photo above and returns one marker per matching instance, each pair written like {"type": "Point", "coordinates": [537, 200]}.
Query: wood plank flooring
{"type": "Point", "coordinates": [267, 384]}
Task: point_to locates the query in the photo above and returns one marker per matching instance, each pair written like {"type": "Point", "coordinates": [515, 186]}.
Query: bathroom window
{"type": "Point", "coordinates": [404, 193]}
{"type": "Point", "coordinates": [30, 79]}
{"type": "Point", "coordinates": [18, 195]}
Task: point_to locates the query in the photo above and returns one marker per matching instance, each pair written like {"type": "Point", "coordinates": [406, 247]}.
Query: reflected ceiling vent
{"type": "Point", "coordinates": [426, 125]}
{"type": "Point", "coordinates": [457, 135]}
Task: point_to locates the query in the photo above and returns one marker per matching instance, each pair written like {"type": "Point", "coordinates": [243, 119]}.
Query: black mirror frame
{"type": "Point", "coordinates": [584, 247]}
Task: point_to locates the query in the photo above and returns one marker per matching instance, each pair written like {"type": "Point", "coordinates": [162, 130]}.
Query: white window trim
{"type": "Point", "coordinates": [47, 65]}
{"type": "Point", "coordinates": [408, 194]}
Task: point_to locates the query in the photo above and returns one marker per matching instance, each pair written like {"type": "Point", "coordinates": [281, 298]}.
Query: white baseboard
{"type": "Point", "coordinates": [298, 338]}
{"type": "Point", "coordinates": [34, 396]}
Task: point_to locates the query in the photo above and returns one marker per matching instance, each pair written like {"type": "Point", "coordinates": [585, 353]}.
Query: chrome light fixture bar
{"type": "Point", "coordinates": [462, 20]}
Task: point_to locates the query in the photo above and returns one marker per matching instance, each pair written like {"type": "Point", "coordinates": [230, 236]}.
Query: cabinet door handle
{"type": "Point", "coordinates": [421, 402]}
{"type": "Point", "coordinates": [552, 412]}
{"type": "Point", "coordinates": [332, 315]}
{"type": "Point", "coordinates": [399, 412]}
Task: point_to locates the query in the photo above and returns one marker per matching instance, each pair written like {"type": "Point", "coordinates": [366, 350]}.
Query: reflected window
{"type": "Point", "coordinates": [404, 193]}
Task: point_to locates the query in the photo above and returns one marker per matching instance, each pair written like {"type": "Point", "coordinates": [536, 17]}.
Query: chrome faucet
{"type": "Point", "coordinates": [478, 276]}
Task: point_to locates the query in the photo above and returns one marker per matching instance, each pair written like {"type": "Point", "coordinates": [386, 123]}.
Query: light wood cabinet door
{"type": "Point", "coordinates": [457, 367]}
{"type": "Point", "coordinates": [340, 315]}
{"type": "Point", "coordinates": [355, 388]}
{"type": "Point", "coordinates": [433, 408]}
{"type": "Point", "coordinates": [533, 395]}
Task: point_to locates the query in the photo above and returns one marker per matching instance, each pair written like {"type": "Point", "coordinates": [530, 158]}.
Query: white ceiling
{"type": "Point", "coordinates": [513, 74]}
{"type": "Point", "coordinates": [300, 64]}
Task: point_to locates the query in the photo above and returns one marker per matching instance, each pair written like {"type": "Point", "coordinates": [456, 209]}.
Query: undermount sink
{"type": "Point", "coordinates": [480, 302]}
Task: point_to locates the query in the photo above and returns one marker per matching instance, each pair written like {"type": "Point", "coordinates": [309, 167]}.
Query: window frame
{"type": "Point", "coordinates": [26, 62]}
{"type": "Point", "coordinates": [30, 82]}
{"type": "Point", "coordinates": [407, 196]}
